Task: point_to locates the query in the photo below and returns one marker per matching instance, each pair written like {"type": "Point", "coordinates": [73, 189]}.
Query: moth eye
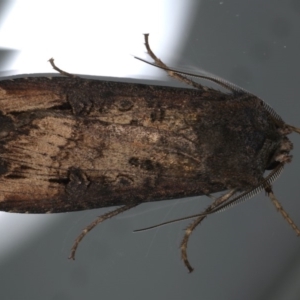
{"type": "Point", "coordinates": [272, 162]}
{"type": "Point", "coordinates": [272, 165]}
{"type": "Point", "coordinates": [278, 157]}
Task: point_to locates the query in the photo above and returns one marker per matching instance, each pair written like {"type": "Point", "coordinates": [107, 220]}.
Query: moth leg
{"type": "Point", "coordinates": [100, 219]}
{"type": "Point", "coordinates": [282, 211]}
{"type": "Point", "coordinates": [51, 60]}
{"type": "Point", "coordinates": [170, 72]}
{"type": "Point", "coordinates": [196, 222]}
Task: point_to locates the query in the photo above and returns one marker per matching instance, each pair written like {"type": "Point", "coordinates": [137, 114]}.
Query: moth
{"type": "Point", "coordinates": [69, 143]}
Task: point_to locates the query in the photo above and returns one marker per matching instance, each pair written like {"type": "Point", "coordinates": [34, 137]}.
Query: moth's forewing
{"type": "Point", "coordinates": [70, 144]}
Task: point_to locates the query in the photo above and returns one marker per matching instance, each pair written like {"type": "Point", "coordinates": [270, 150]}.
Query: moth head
{"type": "Point", "coordinates": [281, 155]}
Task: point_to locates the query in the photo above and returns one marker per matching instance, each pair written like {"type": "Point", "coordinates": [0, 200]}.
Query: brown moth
{"type": "Point", "coordinates": [69, 144]}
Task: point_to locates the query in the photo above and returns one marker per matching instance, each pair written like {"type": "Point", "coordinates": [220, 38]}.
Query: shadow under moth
{"type": "Point", "coordinates": [69, 143]}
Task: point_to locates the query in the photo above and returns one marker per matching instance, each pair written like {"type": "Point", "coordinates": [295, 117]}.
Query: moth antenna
{"type": "Point", "coordinates": [239, 199]}
{"type": "Point", "coordinates": [169, 222]}
{"type": "Point", "coordinates": [192, 226]}
{"type": "Point", "coordinates": [100, 219]}
{"type": "Point", "coordinates": [273, 113]}
{"type": "Point", "coordinates": [176, 220]}
{"type": "Point", "coordinates": [253, 192]}
{"type": "Point", "coordinates": [51, 60]}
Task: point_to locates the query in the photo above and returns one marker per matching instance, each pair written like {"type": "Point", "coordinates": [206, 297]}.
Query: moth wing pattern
{"type": "Point", "coordinates": [60, 144]}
